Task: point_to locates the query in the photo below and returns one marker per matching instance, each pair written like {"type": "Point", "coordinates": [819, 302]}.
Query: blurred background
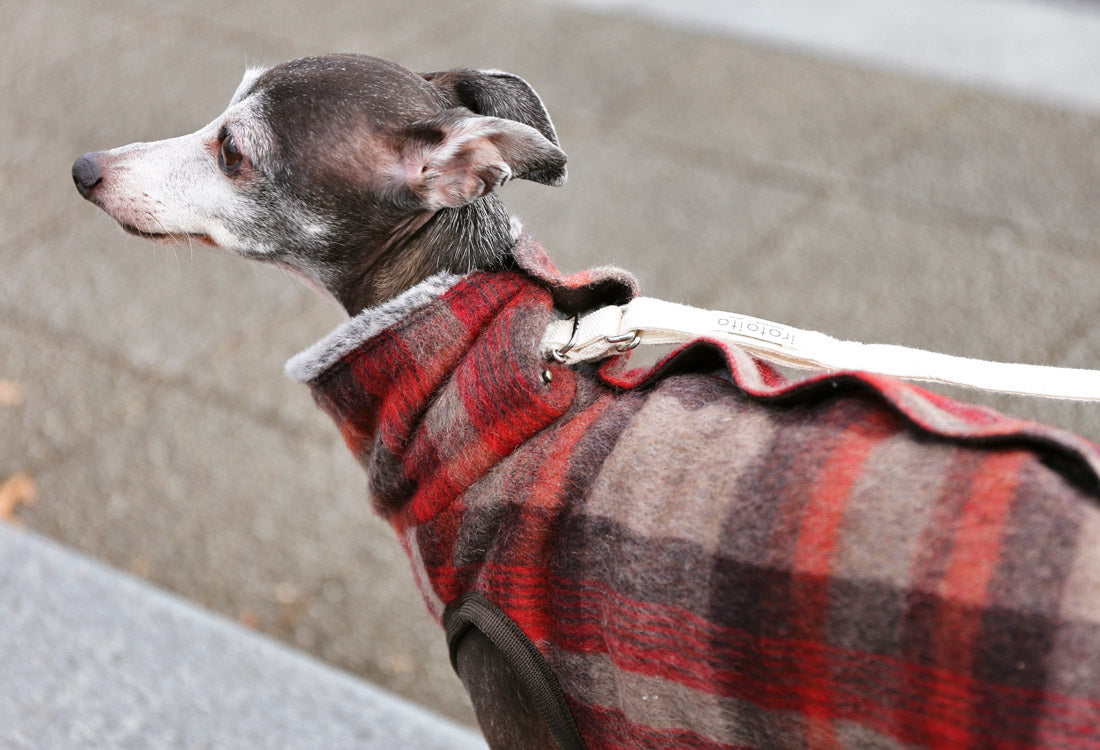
{"type": "Point", "coordinates": [921, 172]}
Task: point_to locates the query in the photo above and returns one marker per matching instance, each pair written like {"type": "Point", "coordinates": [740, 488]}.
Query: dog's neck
{"type": "Point", "coordinates": [476, 236]}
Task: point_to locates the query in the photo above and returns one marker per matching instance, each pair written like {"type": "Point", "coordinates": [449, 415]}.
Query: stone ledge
{"type": "Point", "coordinates": [92, 657]}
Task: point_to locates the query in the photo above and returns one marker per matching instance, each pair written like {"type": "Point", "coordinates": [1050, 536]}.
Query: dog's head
{"type": "Point", "coordinates": [320, 158]}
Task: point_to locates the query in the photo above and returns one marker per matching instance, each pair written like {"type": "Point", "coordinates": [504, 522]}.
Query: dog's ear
{"type": "Point", "coordinates": [457, 157]}
{"type": "Point", "coordinates": [494, 93]}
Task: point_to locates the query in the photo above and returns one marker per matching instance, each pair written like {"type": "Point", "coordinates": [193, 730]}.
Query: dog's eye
{"type": "Point", "coordinates": [229, 156]}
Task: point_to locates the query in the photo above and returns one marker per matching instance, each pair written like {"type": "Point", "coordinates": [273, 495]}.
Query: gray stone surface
{"type": "Point", "coordinates": [1007, 162]}
{"type": "Point", "coordinates": [94, 658]}
{"type": "Point", "coordinates": [157, 423]}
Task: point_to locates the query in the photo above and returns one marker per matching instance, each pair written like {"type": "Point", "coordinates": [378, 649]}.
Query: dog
{"type": "Point", "coordinates": [698, 553]}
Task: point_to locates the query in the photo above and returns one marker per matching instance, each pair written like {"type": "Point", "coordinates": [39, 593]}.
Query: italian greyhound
{"type": "Point", "coordinates": [356, 174]}
{"type": "Point", "coordinates": [710, 556]}
{"type": "Point", "coordinates": [362, 178]}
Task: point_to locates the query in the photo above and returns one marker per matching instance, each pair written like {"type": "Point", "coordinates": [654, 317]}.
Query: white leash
{"type": "Point", "coordinates": [614, 329]}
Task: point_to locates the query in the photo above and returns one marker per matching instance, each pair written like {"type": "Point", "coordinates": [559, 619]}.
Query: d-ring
{"type": "Point", "coordinates": [558, 354]}
{"type": "Point", "coordinates": [626, 341]}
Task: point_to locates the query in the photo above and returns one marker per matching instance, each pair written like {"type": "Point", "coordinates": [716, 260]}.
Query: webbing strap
{"type": "Point", "coordinates": [643, 321]}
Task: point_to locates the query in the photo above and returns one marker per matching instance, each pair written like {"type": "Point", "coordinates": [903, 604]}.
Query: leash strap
{"type": "Point", "coordinates": [615, 329]}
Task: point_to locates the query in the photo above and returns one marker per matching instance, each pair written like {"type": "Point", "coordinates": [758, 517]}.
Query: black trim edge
{"type": "Point", "coordinates": [475, 611]}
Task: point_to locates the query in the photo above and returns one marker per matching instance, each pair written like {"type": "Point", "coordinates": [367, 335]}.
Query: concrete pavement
{"type": "Point", "coordinates": [105, 661]}
{"type": "Point", "coordinates": [156, 422]}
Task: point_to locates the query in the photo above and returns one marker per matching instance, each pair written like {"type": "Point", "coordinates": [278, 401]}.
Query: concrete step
{"type": "Point", "coordinates": [90, 657]}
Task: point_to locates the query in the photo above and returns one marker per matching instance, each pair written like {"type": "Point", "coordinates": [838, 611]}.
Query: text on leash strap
{"type": "Point", "coordinates": [744, 325]}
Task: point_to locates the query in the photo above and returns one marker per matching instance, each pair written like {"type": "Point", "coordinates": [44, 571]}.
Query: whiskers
{"type": "Point", "coordinates": [174, 244]}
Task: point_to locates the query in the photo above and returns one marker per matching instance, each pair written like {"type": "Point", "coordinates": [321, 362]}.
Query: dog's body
{"type": "Point", "coordinates": [697, 555]}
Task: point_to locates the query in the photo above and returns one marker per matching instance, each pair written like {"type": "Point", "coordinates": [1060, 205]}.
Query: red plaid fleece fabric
{"type": "Point", "coordinates": [709, 557]}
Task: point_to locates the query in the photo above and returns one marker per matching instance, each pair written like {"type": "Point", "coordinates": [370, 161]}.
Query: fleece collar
{"type": "Point", "coordinates": [308, 364]}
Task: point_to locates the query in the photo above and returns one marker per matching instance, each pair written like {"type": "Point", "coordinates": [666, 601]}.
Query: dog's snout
{"type": "Point", "coordinates": [87, 174]}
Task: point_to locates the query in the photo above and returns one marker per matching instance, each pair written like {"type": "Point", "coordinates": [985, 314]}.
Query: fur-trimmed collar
{"type": "Point", "coordinates": [308, 364]}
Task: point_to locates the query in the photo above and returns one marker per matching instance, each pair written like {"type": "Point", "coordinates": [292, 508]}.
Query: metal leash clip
{"type": "Point", "coordinates": [557, 354]}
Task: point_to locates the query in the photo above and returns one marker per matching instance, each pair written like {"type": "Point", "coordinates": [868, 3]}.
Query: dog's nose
{"type": "Point", "coordinates": [86, 174]}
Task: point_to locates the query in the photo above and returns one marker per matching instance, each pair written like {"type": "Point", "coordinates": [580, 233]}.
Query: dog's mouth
{"type": "Point", "coordinates": [168, 236]}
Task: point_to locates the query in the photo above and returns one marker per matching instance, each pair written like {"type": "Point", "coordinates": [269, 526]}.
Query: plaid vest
{"type": "Point", "coordinates": [704, 555]}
